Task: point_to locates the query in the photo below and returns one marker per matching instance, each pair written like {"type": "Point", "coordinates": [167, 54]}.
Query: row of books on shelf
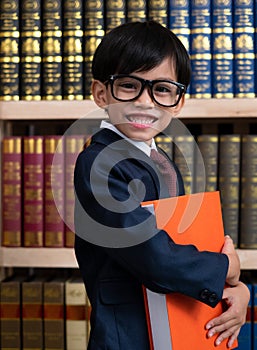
{"type": "Point", "coordinates": [44, 312]}
{"type": "Point", "coordinates": [38, 191]}
{"type": "Point", "coordinates": [46, 51]}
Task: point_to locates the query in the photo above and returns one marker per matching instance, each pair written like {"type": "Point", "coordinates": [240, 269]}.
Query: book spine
{"type": "Point", "coordinates": [51, 50]}
{"type": "Point", "coordinates": [53, 301]}
{"type": "Point", "coordinates": [222, 49]}
{"type": "Point", "coordinates": [76, 325]}
{"type": "Point", "coordinates": [10, 312]}
{"type": "Point", "coordinates": [254, 316]}
{"type": "Point", "coordinates": [72, 50]}
{"type": "Point", "coordinates": [136, 11]}
{"type": "Point", "coordinates": [11, 192]}
{"type": "Point", "coordinates": [207, 159]}
{"type": "Point", "coordinates": [244, 48]}
{"type": "Point", "coordinates": [245, 335]}
{"type": "Point", "coordinates": [73, 145]}
{"type": "Point", "coordinates": [229, 182]}
{"type": "Point", "coordinates": [248, 213]}
{"type": "Point", "coordinates": [179, 20]}
{"type": "Point", "coordinates": [184, 154]}
{"type": "Point", "coordinates": [115, 13]}
{"type": "Point", "coordinates": [158, 11]}
{"type": "Point", "coordinates": [94, 29]}
{"type": "Point", "coordinates": [32, 315]}
{"type": "Point", "coordinates": [33, 184]}
{"type": "Point", "coordinates": [9, 50]}
{"type": "Point", "coordinates": [53, 191]}
{"type": "Point", "coordinates": [30, 76]}
{"type": "Point", "coordinates": [200, 49]}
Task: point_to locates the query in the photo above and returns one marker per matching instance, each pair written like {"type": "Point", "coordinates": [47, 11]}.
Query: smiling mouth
{"type": "Point", "coordinates": [141, 120]}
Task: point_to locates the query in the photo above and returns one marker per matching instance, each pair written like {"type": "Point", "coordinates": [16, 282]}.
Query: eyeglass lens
{"type": "Point", "coordinates": [163, 92]}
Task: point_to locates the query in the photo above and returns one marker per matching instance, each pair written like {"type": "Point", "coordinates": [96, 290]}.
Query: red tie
{"type": "Point", "coordinates": [167, 170]}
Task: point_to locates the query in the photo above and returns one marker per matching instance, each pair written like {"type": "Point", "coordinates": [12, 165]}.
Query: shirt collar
{"type": "Point", "coordinates": [139, 144]}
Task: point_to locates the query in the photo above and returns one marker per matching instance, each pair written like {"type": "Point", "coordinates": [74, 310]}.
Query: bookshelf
{"type": "Point", "coordinates": [58, 111]}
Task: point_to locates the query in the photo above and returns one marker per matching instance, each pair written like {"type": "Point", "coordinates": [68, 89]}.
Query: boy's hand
{"type": "Point", "coordinates": [234, 262]}
{"type": "Point", "coordinates": [228, 324]}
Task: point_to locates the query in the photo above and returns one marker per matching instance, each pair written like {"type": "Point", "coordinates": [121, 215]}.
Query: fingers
{"type": "Point", "coordinates": [234, 262]}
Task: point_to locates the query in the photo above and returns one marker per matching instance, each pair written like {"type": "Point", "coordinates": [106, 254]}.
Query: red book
{"type": "Point", "coordinates": [177, 321]}
{"type": "Point", "coordinates": [11, 192]}
{"type": "Point", "coordinates": [53, 191]}
{"type": "Point", "coordinates": [33, 199]}
{"type": "Point", "coordinates": [73, 146]}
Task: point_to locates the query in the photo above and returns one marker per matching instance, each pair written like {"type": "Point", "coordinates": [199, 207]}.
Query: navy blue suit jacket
{"type": "Point", "coordinates": [132, 251]}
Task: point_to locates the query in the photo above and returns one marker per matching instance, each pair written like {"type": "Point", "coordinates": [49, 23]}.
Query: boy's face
{"type": "Point", "coordinates": [141, 119]}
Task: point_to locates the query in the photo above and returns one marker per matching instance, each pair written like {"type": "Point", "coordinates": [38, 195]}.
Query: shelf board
{"type": "Point", "coordinates": [65, 258]}
{"type": "Point", "coordinates": [64, 109]}
{"type": "Point", "coordinates": [38, 257]}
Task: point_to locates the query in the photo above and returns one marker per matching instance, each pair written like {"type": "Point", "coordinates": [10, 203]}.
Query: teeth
{"type": "Point", "coordinates": [141, 121]}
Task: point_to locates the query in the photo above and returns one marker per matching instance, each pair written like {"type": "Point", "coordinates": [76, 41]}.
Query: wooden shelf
{"type": "Point", "coordinates": [65, 258]}
{"type": "Point", "coordinates": [61, 110]}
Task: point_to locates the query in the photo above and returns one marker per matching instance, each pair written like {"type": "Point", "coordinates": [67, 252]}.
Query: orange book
{"type": "Point", "coordinates": [177, 321]}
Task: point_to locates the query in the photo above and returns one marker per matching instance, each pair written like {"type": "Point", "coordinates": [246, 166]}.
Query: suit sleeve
{"type": "Point", "coordinates": [113, 218]}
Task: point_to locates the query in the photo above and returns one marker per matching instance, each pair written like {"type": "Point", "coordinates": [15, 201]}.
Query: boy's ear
{"type": "Point", "coordinates": [179, 106]}
{"type": "Point", "coordinates": [99, 92]}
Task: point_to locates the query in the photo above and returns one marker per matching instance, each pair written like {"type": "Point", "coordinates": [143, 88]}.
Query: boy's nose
{"type": "Point", "coordinates": [145, 97]}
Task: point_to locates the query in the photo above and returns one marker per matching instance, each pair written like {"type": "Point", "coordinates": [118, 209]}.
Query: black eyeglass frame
{"type": "Point", "coordinates": [144, 82]}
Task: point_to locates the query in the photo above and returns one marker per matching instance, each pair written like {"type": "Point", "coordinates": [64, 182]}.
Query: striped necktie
{"type": "Point", "coordinates": [167, 171]}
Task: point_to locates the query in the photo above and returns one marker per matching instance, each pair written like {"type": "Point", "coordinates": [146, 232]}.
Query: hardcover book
{"type": "Point", "coordinates": [158, 11]}
{"type": "Point", "coordinates": [136, 11]}
{"type": "Point", "coordinates": [248, 196]}
{"type": "Point", "coordinates": [76, 314]}
{"type": "Point", "coordinates": [53, 191]}
{"type": "Point", "coordinates": [30, 75]}
{"type": "Point", "coordinates": [229, 181]}
{"type": "Point", "coordinates": [12, 191]}
{"type": "Point", "coordinates": [72, 70]}
{"type": "Point", "coordinates": [115, 13]}
{"type": "Point", "coordinates": [244, 48]}
{"type": "Point", "coordinates": [33, 186]}
{"type": "Point", "coordinates": [51, 50]}
{"type": "Point", "coordinates": [245, 341]}
{"type": "Point", "coordinates": [200, 49]}
{"type": "Point", "coordinates": [222, 49]}
{"type": "Point", "coordinates": [9, 50]}
{"type": "Point", "coordinates": [176, 321]}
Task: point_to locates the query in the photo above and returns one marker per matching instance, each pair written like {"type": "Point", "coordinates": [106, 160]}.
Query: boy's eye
{"type": "Point", "coordinates": [163, 88]}
{"type": "Point", "coordinates": [128, 85]}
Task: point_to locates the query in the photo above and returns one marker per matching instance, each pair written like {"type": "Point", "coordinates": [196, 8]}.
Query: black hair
{"type": "Point", "coordinates": [138, 47]}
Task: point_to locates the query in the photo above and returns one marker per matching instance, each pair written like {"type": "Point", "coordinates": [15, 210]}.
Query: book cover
{"type": "Point", "coordinates": [72, 66]}
{"type": "Point", "coordinates": [73, 146]}
{"type": "Point", "coordinates": [33, 186]}
{"type": "Point", "coordinates": [244, 48]}
{"type": "Point", "coordinates": [190, 219]}
{"type": "Point", "coordinates": [9, 50]}
{"type": "Point", "coordinates": [115, 13]}
{"type": "Point", "coordinates": [30, 34]}
{"type": "Point", "coordinates": [94, 29]}
{"type": "Point", "coordinates": [245, 335]}
{"type": "Point", "coordinates": [32, 313]}
{"type": "Point", "coordinates": [54, 313]}
{"type": "Point", "coordinates": [158, 11]}
{"type": "Point", "coordinates": [76, 314]}
{"type": "Point", "coordinates": [184, 158]}
{"type": "Point", "coordinates": [222, 49]}
{"type": "Point", "coordinates": [53, 191]}
{"type": "Point", "coordinates": [208, 147]}
{"type": "Point", "coordinates": [10, 313]}
{"type": "Point", "coordinates": [248, 198]}
{"type": "Point", "coordinates": [200, 49]}
{"type": "Point", "coordinates": [229, 182]}
{"type": "Point", "coordinates": [51, 50]}
{"type": "Point", "coordinates": [12, 191]}
{"type": "Point", "coordinates": [136, 11]}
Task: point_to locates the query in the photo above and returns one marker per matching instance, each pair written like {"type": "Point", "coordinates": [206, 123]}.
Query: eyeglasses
{"type": "Point", "coordinates": [165, 93]}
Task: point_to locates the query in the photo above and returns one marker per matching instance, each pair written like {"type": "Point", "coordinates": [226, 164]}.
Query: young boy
{"type": "Point", "coordinates": [141, 72]}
